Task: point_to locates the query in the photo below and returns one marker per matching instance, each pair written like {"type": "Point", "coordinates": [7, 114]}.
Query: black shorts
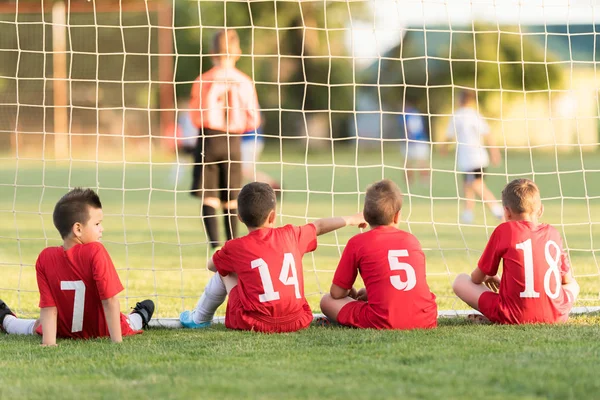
{"type": "Point", "coordinates": [217, 165]}
{"type": "Point", "coordinates": [470, 176]}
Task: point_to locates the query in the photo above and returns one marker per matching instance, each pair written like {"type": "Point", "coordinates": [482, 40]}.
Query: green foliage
{"type": "Point", "coordinates": [285, 49]}
{"type": "Point", "coordinates": [483, 57]}
{"type": "Point", "coordinates": [456, 360]}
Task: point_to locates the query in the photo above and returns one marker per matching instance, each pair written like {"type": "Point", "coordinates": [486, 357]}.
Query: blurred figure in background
{"type": "Point", "coordinates": [253, 144]}
{"type": "Point", "coordinates": [469, 129]}
{"type": "Point", "coordinates": [186, 136]}
{"type": "Point", "coordinates": [416, 148]}
{"type": "Point", "coordinates": [224, 105]}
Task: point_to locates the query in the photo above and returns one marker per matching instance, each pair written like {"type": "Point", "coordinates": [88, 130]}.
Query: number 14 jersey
{"type": "Point", "coordinates": [533, 266]}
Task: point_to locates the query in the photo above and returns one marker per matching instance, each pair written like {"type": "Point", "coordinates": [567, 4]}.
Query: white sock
{"type": "Point", "coordinates": [214, 295]}
{"type": "Point", "coordinates": [16, 326]}
{"type": "Point", "coordinates": [135, 321]}
{"type": "Point", "coordinates": [498, 211]}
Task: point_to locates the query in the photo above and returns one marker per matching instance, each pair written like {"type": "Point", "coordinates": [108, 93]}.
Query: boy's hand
{"type": "Point", "coordinates": [356, 220]}
{"type": "Point", "coordinates": [492, 282]}
{"type": "Point", "coordinates": [353, 293]}
{"type": "Point", "coordinates": [361, 294]}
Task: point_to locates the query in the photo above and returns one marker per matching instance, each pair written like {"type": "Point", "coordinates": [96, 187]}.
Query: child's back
{"type": "Point", "coordinates": [74, 281]}
{"type": "Point", "coordinates": [270, 289]}
{"type": "Point", "coordinates": [533, 266]}
{"type": "Point", "coordinates": [392, 266]}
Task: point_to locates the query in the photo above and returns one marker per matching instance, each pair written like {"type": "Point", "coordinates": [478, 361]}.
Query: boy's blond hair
{"type": "Point", "coordinates": [521, 196]}
{"type": "Point", "coordinates": [226, 43]}
{"type": "Point", "coordinates": [382, 201]}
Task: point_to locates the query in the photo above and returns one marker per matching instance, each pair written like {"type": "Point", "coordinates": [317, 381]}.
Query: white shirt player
{"type": "Point", "coordinates": [468, 127]}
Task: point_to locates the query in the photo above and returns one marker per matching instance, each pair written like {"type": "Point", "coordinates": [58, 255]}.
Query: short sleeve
{"type": "Point", "coordinates": [347, 269]}
{"type": "Point", "coordinates": [46, 298]}
{"type": "Point", "coordinates": [451, 130]}
{"type": "Point", "coordinates": [306, 236]}
{"type": "Point", "coordinates": [490, 259]}
{"type": "Point", "coordinates": [105, 274]}
{"type": "Point", "coordinates": [223, 259]}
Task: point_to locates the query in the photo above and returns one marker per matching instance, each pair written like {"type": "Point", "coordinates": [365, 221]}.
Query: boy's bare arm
{"type": "Point", "coordinates": [494, 151]}
{"type": "Point", "coordinates": [326, 225]}
{"type": "Point", "coordinates": [112, 312]}
{"type": "Point", "coordinates": [492, 282]}
{"type": "Point", "coordinates": [48, 317]}
{"type": "Point", "coordinates": [478, 276]}
{"type": "Point", "coordinates": [337, 292]}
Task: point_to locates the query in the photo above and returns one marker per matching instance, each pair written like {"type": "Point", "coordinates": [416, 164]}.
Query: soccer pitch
{"type": "Point", "coordinates": [155, 237]}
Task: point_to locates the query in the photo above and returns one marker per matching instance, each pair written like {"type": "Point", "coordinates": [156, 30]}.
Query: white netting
{"type": "Point", "coordinates": [333, 79]}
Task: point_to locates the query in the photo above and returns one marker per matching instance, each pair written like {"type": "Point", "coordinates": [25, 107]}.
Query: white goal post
{"type": "Point", "coordinates": [96, 94]}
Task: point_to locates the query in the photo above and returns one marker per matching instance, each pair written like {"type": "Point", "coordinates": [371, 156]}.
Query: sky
{"type": "Point", "coordinates": [368, 40]}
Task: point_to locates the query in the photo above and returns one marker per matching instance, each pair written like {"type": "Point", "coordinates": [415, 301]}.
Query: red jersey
{"type": "Point", "coordinates": [76, 281]}
{"type": "Point", "coordinates": [224, 99]}
{"type": "Point", "coordinates": [533, 266]}
{"type": "Point", "coordinates": [268, 264]}
{"type": "Point", "coordinates": [392, 266]}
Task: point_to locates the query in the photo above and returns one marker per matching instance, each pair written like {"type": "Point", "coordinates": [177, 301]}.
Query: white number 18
{"type": "Point", "coordinates": [553, 270]}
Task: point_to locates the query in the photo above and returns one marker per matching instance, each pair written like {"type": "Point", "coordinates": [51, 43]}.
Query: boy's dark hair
{"type": "Point", "coordinates": [382, 201]}
{"type": "Point", "coordinates": [255, 201]}
{"type": "Point", "coordinates": [521, 196]}
{"type": "Point", "coordinates": [72, 208]}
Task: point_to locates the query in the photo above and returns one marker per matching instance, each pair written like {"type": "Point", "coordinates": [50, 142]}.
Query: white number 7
{"type": "Point", "coordinates": [78, 303]}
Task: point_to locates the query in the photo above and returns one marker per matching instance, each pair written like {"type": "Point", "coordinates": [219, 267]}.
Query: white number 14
{"type": "Point", "coordinates": [288, 276]}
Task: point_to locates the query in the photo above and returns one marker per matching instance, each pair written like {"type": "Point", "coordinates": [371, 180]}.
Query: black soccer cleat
{"type": "Point", "coordinates": [145, 309]}
{"type": "Point", "coordinates": [4, 311]}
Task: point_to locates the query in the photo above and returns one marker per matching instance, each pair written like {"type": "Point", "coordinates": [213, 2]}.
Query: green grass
{"type": "Point", "coordinates": [455, 361]}
{"type": "Point", "coordinates": [156, 238]}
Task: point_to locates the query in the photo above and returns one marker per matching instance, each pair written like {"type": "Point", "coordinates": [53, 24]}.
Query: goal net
{"type": "Point", "coordinates": [95, 94]}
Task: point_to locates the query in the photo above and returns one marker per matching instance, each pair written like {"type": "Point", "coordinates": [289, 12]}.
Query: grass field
{"type": "Point", "coordinates": [455, 361]}
{"type": "Point", "coordinates": [155, 236]}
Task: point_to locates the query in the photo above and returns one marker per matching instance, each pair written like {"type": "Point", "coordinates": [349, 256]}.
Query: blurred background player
{"type": "Point", "coordinates": [469, 128]}
{"type": "Point", "coordinates": [186, 137]}
{"type": "Point", "coordinates": [397, 295]}
{"type": "Point", "coordinates": [416, 147]}
{"type": "Point", "coordinates": [253, 144]}
{"type": "Point", "coordinates": [77, 282]}
{"type": "Point", "coordinates": [223, 106]}
{"type": "Point", "coordinates": [537, 284]}
{"type": "Point", "coordinates": [262, 272]}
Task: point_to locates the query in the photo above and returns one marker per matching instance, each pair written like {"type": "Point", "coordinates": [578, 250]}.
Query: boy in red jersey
{"type": "Point", "coordinates": [78, 282]}
{"type": "Point", "coordinates": [392, 266]}
{"type": "Point", "coordinates": [537, 285]}
{"type": "Point", "coordinates": [223, 106]}
{"type": "Point", "coordinates": [262, 271]}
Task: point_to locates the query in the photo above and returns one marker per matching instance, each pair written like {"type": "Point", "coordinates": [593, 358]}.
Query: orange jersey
{"type": "Point", "coordinates": [224, 99]}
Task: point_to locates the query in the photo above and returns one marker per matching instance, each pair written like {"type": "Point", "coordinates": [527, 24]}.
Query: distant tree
{"type": "Point", "coordinates": [428, 62]}
{"type": "Point", "coordinates": [286, 49]}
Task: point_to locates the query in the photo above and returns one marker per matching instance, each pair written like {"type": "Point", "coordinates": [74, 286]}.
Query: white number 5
{"type": "Point", "coordinates": [395, 265]}
{"type": "Point", "coordinates": [78, 303]}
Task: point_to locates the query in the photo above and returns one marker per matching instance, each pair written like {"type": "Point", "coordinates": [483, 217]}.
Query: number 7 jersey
{"type": "Point", "coordinates": [533, 267]}
{"type": "Point", "coordinates": [76, 281]}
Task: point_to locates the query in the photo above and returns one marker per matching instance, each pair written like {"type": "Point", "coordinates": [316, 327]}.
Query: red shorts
{"type": "Point", "coordinates": [359, 314]}
{"type": "Point", "coordinates": [237, 318]}
{"type": "Point", "coordinates": [126, 329]}
{"type": "Point", "coordinates": [489, 306]}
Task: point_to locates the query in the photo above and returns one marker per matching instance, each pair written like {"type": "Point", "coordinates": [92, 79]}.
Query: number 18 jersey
{"type": "Point", "coordinates": [533, 266]}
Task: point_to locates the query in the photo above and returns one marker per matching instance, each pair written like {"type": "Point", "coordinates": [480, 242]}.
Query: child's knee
{"type": "Point", "coordinates": [460, 282]}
